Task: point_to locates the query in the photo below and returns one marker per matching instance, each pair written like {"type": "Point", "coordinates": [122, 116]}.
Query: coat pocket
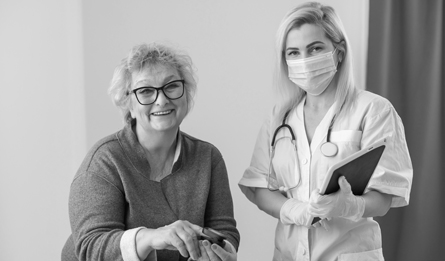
{"type": "Point", "coordinates": [346, 136]}
{"type": "Point", "coordinates": [373, 255]}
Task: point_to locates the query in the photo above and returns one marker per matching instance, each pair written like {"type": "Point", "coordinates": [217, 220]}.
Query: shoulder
{"type": "Point", "coordinates": [198, 147]}
{"type": "Point", "coordinates": [370, 98]}
{"type": "Point", "coordinates": [103, 157]}
{"type": "Point", "coordinates": [372, 104]}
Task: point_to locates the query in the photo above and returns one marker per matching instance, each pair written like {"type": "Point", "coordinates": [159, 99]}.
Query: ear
{"type": "Point", "coordinates": [130, 108]}
{"type": "Point", "coordinates": [341, 53]}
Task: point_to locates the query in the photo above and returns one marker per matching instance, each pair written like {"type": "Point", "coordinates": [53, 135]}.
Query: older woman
{"type": "Point", "coordinates": [145, 192]}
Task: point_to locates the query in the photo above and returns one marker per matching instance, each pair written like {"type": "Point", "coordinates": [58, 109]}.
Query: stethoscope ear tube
{"type": "Point", "coordinates": [283, 125]}
{"type": "Point", "coordinates": [278, 129]}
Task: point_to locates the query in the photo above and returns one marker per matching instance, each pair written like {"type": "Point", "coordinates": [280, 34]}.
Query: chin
{"type": "Point", "coordinates": [165, 127]}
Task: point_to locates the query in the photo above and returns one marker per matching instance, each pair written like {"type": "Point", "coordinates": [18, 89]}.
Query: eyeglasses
{"type": "Point", "coordinates": [148, 95]}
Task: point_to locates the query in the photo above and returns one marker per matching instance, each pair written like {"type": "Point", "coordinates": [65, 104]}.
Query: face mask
{"type": "Point", "coordinates": [313, 74]}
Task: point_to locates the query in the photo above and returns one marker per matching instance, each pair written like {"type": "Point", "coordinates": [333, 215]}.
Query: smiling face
{"type": "Point", "coordinates": [164, 114]}
{"type": "Point", "coordinates": [307, 41]}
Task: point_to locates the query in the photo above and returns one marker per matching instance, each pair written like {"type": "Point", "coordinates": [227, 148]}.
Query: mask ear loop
{"type": "Point", "coordinates": [341, 53]}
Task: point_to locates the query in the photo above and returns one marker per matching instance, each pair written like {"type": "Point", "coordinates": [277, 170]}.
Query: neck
{"type": "Point", "coordinates": [160, 150]}
{"type": "Point", "coordinates": [323, 101]}
{"type": "Point", "coordinates": [159, 143]}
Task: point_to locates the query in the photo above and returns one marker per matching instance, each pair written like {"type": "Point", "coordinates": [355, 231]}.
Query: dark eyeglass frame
{"type": "Point", "coordinates": [157, 91]}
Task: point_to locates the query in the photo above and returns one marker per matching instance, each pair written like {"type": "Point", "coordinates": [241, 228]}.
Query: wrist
{"type": "Point", "coordinates": [143, 243]}
{"type": "Point", "coordinates": [284, 213]}
{"type": "Point", "coordinates": [294, 212]}
{"type": "Point", "coordinates": [357, 209]}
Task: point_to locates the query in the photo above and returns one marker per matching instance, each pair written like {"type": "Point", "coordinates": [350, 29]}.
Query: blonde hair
{"type": "Point", "coordinates": [145, 56]}
{"type": "Point", "coordinates": [326, 18]}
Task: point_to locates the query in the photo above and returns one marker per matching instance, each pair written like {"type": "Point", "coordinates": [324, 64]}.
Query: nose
{"type": "Point", "coordinates": [162, 99]}
{"type": "Point", "coordinates": [304, 55]}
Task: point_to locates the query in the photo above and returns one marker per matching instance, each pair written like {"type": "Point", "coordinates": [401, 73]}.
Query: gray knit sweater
{"type": "Point", "coordinates": [111, 192]}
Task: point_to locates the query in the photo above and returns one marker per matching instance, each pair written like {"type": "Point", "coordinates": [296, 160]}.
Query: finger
{"type": "Point", "coordinates": [209, 251]}
{"type": "Point", "coordinates": [316, 224]}
{"type": "Point", "coordinates": [229, 247]}
{"type": "Point", "coordinates": [320, 212]}
{"type": "Point", "coordinates": [313, 210]}
{"type": "Point", "coordinates": [315, 195]}
{"type": "Point", "coordinates": [204, 256]}
{"type": "Point", "coordinates": [324, 224]}
{"type": "Point", "coordinates": [179, 244]}
{"type": "Point", "coordinates": [197, 229]}
{"type": "Point", "coordinates": [344, 184]}
{"type": "Point", "coordinates": [220, 252]}
{"type": "Point", "coordinates": [189, 239]}
{"type": "Point", "coordinates": [325, 200]}
{"type": "Point", "coordinates": [190, 229]}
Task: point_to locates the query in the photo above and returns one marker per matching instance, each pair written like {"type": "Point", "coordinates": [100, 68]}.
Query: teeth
{"type": "Point", "coordinates": [162, 113]}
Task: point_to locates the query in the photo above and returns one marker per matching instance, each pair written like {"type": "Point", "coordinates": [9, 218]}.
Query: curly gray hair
{"type": "Point", "coordinates": [145, 56]}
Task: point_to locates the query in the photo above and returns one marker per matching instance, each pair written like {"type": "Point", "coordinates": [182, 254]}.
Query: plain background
{"type": "Point", "coordinates": [57, 59]}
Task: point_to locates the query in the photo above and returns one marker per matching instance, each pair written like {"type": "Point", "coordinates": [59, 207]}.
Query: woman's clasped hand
{"type": "Point", "coordinates": [184, 237]}
{"type": "Point", "coordinates": [180, 235]}
{"type": "Point", "coordinates": [339, 204]}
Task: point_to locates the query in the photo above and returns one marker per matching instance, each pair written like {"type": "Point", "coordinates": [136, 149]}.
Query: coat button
{"type": "Point", "coordinates": [304, 161]}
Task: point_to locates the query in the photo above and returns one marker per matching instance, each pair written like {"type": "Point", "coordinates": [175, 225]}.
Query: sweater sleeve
{"type": "Point", "coordinates": [97, 214]}
{"type": "Point", "coordinates": [219, 211]}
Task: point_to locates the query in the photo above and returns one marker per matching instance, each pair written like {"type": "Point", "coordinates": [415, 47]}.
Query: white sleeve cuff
{"type": "Point", "coordinates": [128, 245]}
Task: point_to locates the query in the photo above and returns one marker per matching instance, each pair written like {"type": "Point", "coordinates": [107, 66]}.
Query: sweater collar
{"type": "Point", "coordinates": [129, 142]}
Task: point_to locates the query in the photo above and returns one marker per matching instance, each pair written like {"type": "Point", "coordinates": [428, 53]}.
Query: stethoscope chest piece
{"type": "Point", "coordinates": [329, 149]}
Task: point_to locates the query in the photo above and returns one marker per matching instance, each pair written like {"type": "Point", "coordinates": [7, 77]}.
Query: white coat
{"type": "Point", "coordinates": [372, 118]}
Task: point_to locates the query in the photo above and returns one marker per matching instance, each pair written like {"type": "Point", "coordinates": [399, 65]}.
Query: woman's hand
{"type": "Point", "coordinates": [339, 204]}
{"type": "Point", "coordinates": [180, 235]}
{"type": "Point", "coordinates": [213, 252]}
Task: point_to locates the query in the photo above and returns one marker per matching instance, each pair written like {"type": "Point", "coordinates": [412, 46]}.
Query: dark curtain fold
{"type": "Point", "coordinates": [406, 64]}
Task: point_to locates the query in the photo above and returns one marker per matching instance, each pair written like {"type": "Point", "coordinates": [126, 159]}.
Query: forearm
{"type": "Point", "coordinates": [97, 211]}
{"type": "Point", "coordinates": [377, 204]}
{"type": "Point", "coordinates": [269, 201]}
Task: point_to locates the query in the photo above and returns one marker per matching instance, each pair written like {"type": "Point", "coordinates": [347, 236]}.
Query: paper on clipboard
{"type": "Point", "coordinates": [357, 168]}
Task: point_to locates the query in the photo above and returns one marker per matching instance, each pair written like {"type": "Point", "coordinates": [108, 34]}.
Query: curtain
{"type": "Point", "coordinates": [406, 64]}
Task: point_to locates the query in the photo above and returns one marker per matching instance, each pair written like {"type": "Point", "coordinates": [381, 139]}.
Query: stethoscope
{"type": "Point", "coordinates": [328, 149]}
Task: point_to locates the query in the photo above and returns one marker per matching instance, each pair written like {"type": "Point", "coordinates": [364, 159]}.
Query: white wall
{"type": "Point", "coordinates": [58, 51]}
{"type": "Point", "coordinates": [42, 124]}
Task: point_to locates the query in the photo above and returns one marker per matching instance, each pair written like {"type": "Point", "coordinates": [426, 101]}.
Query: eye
{"type": "Point", "coordinates": [292, 53]}
{"type": "Point", "coordinates": [316, 50]}
{"type": "Point", "coordinates": [146, 91]}
{"type": "Point", "coordinates": [173, 86]}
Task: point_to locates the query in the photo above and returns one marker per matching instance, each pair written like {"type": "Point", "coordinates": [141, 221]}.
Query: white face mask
{"type": "Point", "coordinates": [313, 74]}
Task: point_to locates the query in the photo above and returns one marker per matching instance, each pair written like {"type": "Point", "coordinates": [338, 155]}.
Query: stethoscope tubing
{"type": "Point", "coordinates": [331, 148]}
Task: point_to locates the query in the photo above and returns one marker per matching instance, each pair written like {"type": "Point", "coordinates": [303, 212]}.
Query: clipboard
{"type": "Point", "coordinates": [357, 169]}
